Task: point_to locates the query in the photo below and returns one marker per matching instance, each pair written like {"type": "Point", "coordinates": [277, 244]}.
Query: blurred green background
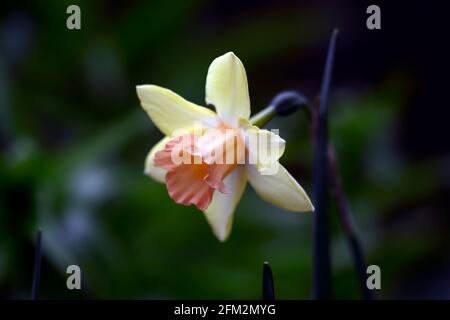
{"type": "Point", "coordinates": [73, 141]}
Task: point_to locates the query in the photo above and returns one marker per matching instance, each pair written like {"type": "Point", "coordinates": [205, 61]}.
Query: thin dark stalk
{"type": "Point", "coordinates": [346, 220]}
{"type": "Point", "coordinates": [321, 246]}
{"type": "Point", "coordinates": [325, 167]}
{"type": "Point", "coordinates": [268, 289]}
{"type": "Point", "coordinates": [37, 267]}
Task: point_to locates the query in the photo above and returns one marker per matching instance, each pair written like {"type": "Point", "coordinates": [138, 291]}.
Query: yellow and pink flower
{"type": "Point", "coordinates": [207, 157]}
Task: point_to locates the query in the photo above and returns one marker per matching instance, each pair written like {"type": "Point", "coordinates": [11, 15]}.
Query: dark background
{"type": "Point", "coordinates": [73, 140]}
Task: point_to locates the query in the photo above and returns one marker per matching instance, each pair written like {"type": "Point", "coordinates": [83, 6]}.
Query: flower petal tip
{"type": "Point", "coordinates": [223, 233]}
{"type": "Point", "coordinates": [222, 237]}
{"type": "Point", "coordinates": [144, 90]}
{"type": "Point", "coordinates": [140, 87]}
{"type": "Point", "coordinates": [140, 91]}
{"type": "Point", "coordinates": [230, 54]}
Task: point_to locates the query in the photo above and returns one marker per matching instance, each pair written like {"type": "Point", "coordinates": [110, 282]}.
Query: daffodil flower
{"type": "Point", "coordinates": [214, 186]}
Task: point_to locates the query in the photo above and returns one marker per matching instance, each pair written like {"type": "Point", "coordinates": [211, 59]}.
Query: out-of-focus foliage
{"type": "Point", "coordinates": [73, 141]}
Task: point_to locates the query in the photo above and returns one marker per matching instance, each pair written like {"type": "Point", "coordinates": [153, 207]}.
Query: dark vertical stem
{"type": "Point", "coordinates": [321, 250]}
{"type": "Point", "coordinates": [345, 217]}
{"type": "Point", "coordinates": [37, 266]}
{"type": "Point", "coordinates": [268, 289]}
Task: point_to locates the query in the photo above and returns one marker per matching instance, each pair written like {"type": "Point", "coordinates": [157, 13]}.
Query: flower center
{"type": "Point", "coordinates": [197, 165]}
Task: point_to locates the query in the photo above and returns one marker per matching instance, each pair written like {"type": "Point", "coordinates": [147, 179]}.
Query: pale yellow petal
{"type": "Point", "coordinates": [221, 210]}
{"type": "Point", "coordinates": [171, 112]}
{"type": "Point", "coordinates": [264, 148]}
{"type": "Point", "coordinates": [156, 173]}
{"type": "Point", "coordinates": [280, 189]}
{"type": "Point", "coordinates": [227, 88]}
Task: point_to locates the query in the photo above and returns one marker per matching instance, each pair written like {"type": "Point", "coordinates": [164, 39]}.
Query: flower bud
{"type": "Point", "coordinates": [287, 102]}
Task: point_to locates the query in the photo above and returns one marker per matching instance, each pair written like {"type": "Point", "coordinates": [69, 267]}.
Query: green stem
{"type": "Point", "coordinates": [264, 116]}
